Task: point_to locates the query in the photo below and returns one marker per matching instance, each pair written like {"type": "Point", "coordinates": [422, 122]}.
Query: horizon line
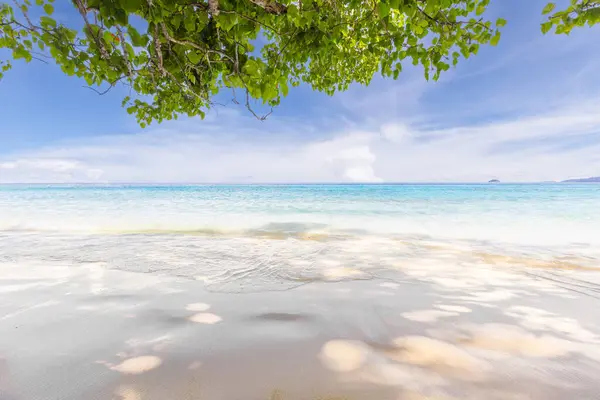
{"type": "Point", "coordinates": [287, 183]}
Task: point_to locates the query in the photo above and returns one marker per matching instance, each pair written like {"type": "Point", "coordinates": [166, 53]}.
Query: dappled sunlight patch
{"type": "Point", "coordinates": [453, 308]}
{"type": "Point", "coordinates": [427, 352]}
{"type": "Point", "coordinates": [126, 392]}
{"type": "Point", "coordinates": [194, 365]}
{"type": "Point", "coordinates": [407, 377]}
{"type": "Point", "coordinates": [427, 315]}
{"type": "Point", "coordinates": [341, 273]}
{"type": "Point", "coordinates": [205, 318]}
{"type": "Point", "coordinates": [141, 345]}
{"type": "Point", "coordinates": [344, 355]}
{"type": "Point", "coordinates": [513, 340]}
{"type": "Point", "coordinates": [490, 296]}
{"type": "Point", "coordinates": [137, 365]}
{"type": "Point", "coordinates": [539, 319]}
{"type": "Point", "coordinates": [448, 282]}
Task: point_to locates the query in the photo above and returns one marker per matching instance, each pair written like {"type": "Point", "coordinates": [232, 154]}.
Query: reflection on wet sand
{"type": "Point", "coordinates": [205, 318]}
{"type": "Point", "coordinates": [513, 340]}
{"type": "Point", "coordinates": [137, 365]}
{"type": "Point", "coordinates": [293, 319]}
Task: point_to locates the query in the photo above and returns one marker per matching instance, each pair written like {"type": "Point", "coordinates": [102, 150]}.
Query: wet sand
{"type": "Point", "coordinates": [82, 331]}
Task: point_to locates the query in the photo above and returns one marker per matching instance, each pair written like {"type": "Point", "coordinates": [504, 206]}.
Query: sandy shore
{"type": "Point", "coordinates": [84, 332]}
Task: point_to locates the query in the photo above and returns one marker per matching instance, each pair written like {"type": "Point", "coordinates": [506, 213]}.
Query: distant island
{"type": "Point", "coordinates": [593, 179]}
{"type": "Point", "coordinates": [494, 181]}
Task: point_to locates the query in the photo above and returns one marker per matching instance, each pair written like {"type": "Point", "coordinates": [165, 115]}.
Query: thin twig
{"type": "Point", "coordinates": [192, 44]}
{"type": "Point", "coordinates": [39, 59]}
{"type": "Point", "coordinates": [125, 54]}
{"type": "Point", "coordinates": [24, 13]}
{"type": "Point", "coordinates": [112, 85]}
{"type": "Point", "coordinates": [83, 12]}
{"type": "Point", "coordinates": [252, 19]}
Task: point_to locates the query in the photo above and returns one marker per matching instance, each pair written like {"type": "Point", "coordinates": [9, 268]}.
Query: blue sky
{"type": "Point", "coordinates": [526, 110]}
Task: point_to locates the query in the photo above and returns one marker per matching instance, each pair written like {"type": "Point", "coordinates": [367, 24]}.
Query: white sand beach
{"type": "Point", "coordinates": [429, 331]}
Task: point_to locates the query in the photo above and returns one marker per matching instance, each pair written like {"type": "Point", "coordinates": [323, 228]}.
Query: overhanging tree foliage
{"type": "Point", "coordinates": [176, 55]}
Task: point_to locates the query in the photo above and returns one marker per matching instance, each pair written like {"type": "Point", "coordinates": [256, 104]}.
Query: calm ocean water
{"type": "Point", "coordinates": [265, 235]}
{"type": "Point", "coordinates": [534, 214]}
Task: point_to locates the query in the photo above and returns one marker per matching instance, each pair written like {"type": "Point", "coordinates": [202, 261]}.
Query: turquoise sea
{"type": "Point", "coordinates": [266, 236]}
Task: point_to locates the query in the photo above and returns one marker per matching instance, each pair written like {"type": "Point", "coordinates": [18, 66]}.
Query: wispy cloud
{"type": "Point", "coordinates": [559, 144]}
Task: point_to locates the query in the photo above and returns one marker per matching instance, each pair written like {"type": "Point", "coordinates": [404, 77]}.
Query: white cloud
{"type": "Point", "coordinates": [33, 169]}
{"type": "Point", "coordinates": [559, 144]}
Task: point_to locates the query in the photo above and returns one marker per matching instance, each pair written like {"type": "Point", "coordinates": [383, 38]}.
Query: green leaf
{"type": "Point", "coordinates": [131, 5]}
{"type": "Point", "coordinates": [47, 22]}
{"type": "Point", "coordinates": [316, 43]}
{"type": "Point", "coordinates": [546, 26]}
{"type": "Point", "coordinates": [121, 17]}
{"type": "Point", "coordinates": [383, 9]}
{"type": "Point", "coordinates": [228, 21]}
{"type": "Point", "coordinates": [194, 57]}
{"type": "Point", "coordinates": [189, 23]}
{"type": "Point", "coordinates": [549, 8]}
{"type": "Point", "coordinates": [251, 67]}
{"type": "Point", "coordinates": [135, 36]}
{"type": "Point", "coordinates": [495, 39]}
{"type": "Point", "coordinates": [20, 52]}
{"type": "Point", "coordinates": [109, 37]}
{"type": "Point", "coordinates": [176, 21]}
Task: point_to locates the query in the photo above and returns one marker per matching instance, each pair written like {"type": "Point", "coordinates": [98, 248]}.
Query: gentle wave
{"type": "Point", "coordinates": [515, 230]}
{"type": "Point", "coordinates": [254, 263]}
{"type": "Point", "coordinates": [518, 214]}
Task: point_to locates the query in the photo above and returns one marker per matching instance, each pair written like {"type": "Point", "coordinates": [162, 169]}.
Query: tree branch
{"type": "Point", "coordinates": [213, 7]}
{"type": "Point", "coordinates": [158, 50]}
{"type": "Point", "coordinates": [112, 85]}
{"type": "Point", "coordinates": [192, 44]}
{"type": "Point", "coordinates": [253, 20]}
{"type": "Point", "coordinates": [24, 13]}
{"type": "Point", "coordinates": [270, 6]}
{"type": "Point", "coordinates": [83, 12]}
{"type": "Point", "coordinates": [125, 55]}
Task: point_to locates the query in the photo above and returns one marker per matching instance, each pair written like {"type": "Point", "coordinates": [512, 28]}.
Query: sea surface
{"type": "Point", "coordinates": [269, 237]}
{"type": "Point", "coordinates": [300, 292]}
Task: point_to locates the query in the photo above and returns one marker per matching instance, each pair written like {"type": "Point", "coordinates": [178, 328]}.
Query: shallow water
{"type": "Point", "coordinates": [525, 214]}
{"type": "Point", "coordinates": [75, 331]}
{"type": "Point", "coordinates": [300, 292]}
{"type": "Point", "coordinates": [253, 238]}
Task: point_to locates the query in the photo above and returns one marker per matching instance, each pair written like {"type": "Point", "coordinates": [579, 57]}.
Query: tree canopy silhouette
{"type": "Point", "coordinates": [177, 55]}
